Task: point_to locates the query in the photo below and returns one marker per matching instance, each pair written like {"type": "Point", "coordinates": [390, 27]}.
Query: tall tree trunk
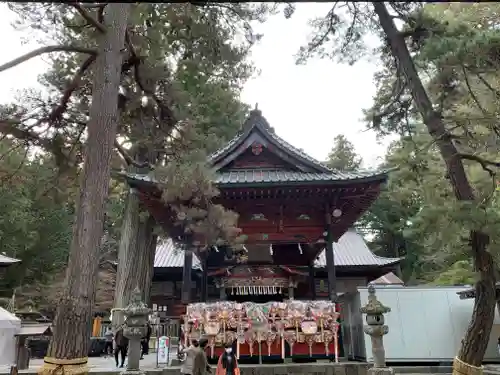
{"type": "Point", "coordinates": [69, 346]}
{"type": "Point", "coordinates": [475, 341]}
{"type": "Point", "coordinates": [148, 241]}
{"type": "Point", "coordinates": [135, 255]}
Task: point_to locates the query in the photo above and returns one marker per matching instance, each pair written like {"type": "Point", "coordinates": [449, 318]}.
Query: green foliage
{"type": "Point", "coordinates": [182, 76]}
{"type": "Point", "coordinates": [35, 224]}
{"type": "Point", "coordinates": [190, 61]}
{"type": "Point", "coordinates": [460, 273]}
{"type": "Point", "coordinates": [455, 49]}
{"type": "Point", "coordinates": [342, 156]}
{"type": "Point", "coordinates": [188, 192]}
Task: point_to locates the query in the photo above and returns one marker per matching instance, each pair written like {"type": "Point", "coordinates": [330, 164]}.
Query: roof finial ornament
{"type": "Point", "coordinates": [256, 111]}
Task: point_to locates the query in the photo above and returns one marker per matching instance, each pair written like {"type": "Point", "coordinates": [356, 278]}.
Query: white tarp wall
{"type": "Point", "coordinates": [9, 327]}
{"type": "Point", "coordinates": [425, 324]}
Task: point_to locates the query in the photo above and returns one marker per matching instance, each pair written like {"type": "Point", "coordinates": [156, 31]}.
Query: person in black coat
{"type": "Point", "coordinates": [145, 342]}
{"type": "Point", "coordinates": [121, 346]}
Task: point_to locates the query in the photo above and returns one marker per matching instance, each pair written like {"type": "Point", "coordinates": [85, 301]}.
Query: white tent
{"type": "Point", "coordinates": [9, 327]}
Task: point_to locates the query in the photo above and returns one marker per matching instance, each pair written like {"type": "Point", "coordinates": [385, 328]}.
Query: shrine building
{"type": "Point", "coordinates": [296, 215]}
{"type": "Point", "coordinates": [355, 265]}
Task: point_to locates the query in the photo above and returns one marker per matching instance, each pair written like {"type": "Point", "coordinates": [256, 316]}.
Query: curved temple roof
{"type": "Point", "coordinates": [350, 251]}
{"type": "Point", "coordinates": [256, 129]}
{"type": "Point", "coordinates": [305, 170]}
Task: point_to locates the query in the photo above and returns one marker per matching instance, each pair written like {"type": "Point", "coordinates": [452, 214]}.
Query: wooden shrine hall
{"type": "Point", "coordinates": [292, 211]}
{"type": "Point", "coordinates": [355, 266]}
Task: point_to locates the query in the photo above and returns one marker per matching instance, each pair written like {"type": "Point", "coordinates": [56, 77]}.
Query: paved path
{"type": "Point", "coordinates": [108, 363]}
{"type": "Point", "coordinates": [104, 363]}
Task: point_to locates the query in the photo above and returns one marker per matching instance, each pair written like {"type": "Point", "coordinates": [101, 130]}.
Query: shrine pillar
{"type": "Point", "coordinates": [186, 276]}
{"type": "Point", "coordinates": [330, 260]}
{"type": "Point", "coordinates": [312, 282]}
{"type": "Point", "coordinates": [222, 290]}
{"type": "Point", "coordinates": [204, 276]}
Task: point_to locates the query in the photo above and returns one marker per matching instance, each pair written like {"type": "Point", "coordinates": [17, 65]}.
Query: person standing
{"type": "Point", "coordinates": [108, 342]}
{"type": "Point", "coordinates": [228, 364]}
{"type": "Point", "coordinates": [121, 346]}
{"type": "Point", "coordinates": [189, 354]}
{"type": "Point", "coordinates": [145, 341]}
{"type": "Point", "coordinates": [200, 362]}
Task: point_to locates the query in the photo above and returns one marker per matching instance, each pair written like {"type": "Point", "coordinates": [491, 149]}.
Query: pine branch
{"type": "Point", "coordinates": [485, 163]}
{"type": "Point", "coordinates": [12, 127]}
{"type": "Point", "coordinates": [90, 20]}
{"type": "Point", "coordinates": [44, 50]}
{"type": "Point", "coordinates": [58, 111]}
{"type": "Point", "coordinates": [166, 113]}
{"type": "Point", "coordinates": [129, 159]}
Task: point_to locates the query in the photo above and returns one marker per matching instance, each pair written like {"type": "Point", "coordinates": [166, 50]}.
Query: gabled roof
{"type": "Point", "coordinates": [351, 250]}
{"type": "Point", "coordinates": [256, 129]}
{"type": "Point", "coordinates": [388, 279]}
{"type": "Point", "coordinates": [7, 261]}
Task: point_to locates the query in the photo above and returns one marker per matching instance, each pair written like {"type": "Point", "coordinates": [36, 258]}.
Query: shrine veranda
{"type": "Point", "coordinates": [292, 209]}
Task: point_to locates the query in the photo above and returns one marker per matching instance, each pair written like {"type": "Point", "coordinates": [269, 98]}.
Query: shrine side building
{"type": "Point", "coordinates": [295, 214]}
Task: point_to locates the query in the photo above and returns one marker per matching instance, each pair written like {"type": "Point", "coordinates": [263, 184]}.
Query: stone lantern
{"type": "Point", "coordinates": [135, 328]}
{"type": "Point", "coordinates": [376, 329]}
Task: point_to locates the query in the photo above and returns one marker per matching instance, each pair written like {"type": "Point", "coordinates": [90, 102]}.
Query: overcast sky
{"type": "Point", "coordinates": [308, 105]}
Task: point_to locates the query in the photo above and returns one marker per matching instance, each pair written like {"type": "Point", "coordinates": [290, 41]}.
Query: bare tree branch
{"type": "Point", "coordinates": [90, 20]}
{"type": "Point", "coordinates": [43, 50]}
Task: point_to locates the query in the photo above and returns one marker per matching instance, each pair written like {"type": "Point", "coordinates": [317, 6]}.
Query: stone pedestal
{"type": "Point", "coordinates": [137, 315]}
{"type": "Point", "coordinates": [380, 371]}
{"type": "Point", "coordinates": [376, 329]}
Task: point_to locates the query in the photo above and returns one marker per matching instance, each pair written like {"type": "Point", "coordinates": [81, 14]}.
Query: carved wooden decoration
{"type": "Point", "coordinates": [258, 217]}
{"type": "Point", "coordinates": [256, 148]}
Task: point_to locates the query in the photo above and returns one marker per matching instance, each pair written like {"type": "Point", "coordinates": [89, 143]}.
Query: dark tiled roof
{"type": "Point", "coordinates": [311, 170]}
{"type": "Point", "coordinates": [280, 176]}
{"type": "Point", "coordinates": [471, 292]}
{"type": "Point", "coordinates": [351, 250]}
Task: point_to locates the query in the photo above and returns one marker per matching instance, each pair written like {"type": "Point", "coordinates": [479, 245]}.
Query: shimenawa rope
{"type": "Point", "coordinates": [462, 368]}
{"type": "Point", "coordinates": [56, 366]}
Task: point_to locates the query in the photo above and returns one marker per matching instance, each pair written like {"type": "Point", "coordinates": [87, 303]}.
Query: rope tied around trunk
{"type": "Point", "coordinates": [462, 368]}
{"type": "Point", "coordinates": [64, 366]}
